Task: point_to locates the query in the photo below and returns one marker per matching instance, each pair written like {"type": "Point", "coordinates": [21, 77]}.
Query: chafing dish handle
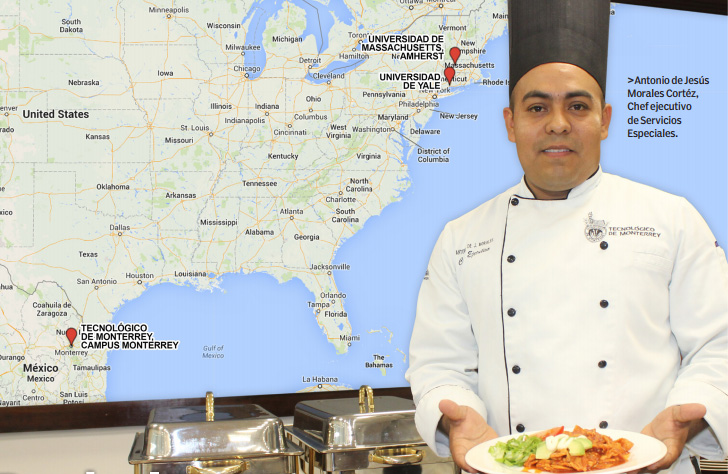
{"type": "Point", "coordinates": [229, 469]}
{"type": "Point", "coordinates": [209, 407]}
{"type": "Point", "coordinates": [366, 399]}
{"type": "Point", "coordinates": [404, 456]}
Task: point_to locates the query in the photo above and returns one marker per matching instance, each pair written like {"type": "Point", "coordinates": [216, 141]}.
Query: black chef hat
{"type": "Point", "coordinates": [563, 31]}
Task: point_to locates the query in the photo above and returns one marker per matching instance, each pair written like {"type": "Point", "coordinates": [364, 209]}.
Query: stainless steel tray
{"type": "Point", "coordinates": [278, 464]}
{"type": "Point", "coordinates": [330, 425]}
{"type": "Point", "coordinates": [212, 432]}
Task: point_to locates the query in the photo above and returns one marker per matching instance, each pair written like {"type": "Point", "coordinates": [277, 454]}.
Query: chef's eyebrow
{"type": "Point", "coordinates": [537, 94]}
{"type": "Point", "coordinates": [546, 96]}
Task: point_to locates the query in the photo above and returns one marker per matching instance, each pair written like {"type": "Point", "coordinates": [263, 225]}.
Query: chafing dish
{"type": "Point", "coordinates": [370, 434]}
{"type": "Point", "coordinates": [213, 440]}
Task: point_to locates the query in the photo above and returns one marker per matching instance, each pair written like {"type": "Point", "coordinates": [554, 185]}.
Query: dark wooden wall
{"type": "Point", "coordinates": [109, 414]}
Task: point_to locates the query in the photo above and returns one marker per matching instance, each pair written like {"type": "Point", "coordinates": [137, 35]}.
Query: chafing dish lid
{"type": "Point", "coordinates": [238, 431]}
{"type": "Point", "coordinates": [336, 424]}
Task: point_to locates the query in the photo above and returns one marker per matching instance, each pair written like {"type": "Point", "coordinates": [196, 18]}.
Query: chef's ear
{"type": "Point", "coordinates": [508, 119]}
{"type": "Point", "coordinates": [606, 119]}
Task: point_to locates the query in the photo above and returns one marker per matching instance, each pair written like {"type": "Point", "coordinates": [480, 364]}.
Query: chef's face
{"type": "Point", "coordinates": [557, 122]}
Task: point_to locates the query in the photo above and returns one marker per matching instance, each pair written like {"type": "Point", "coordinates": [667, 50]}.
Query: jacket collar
{"type": "Point", "coordinates": [591, 183]}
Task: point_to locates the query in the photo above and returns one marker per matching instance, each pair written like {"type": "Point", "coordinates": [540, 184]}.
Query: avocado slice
{"type": "Point", "coordinates": [585, 441]}
{"type": "Point", "coordinates": [576, 448]}
{"type": "Point", "coordinates": [542, 451]}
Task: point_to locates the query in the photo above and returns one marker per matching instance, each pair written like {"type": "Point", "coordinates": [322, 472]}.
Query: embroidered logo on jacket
{"type": "Point", "coordinates": [595, 230]}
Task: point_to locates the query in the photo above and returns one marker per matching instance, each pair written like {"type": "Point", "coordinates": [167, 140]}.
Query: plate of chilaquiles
{"type": "Point", "coordinates": [602, 451]}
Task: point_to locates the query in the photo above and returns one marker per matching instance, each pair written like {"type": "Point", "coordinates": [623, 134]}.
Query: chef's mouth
{"type": "Point", "coordinates": [557, 150]}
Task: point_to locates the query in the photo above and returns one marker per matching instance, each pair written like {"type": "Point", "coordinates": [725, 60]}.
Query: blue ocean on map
{"type": "Point", "coordinates": [253, 321]}
{"type": "Point", "coordinates": [270, 339]}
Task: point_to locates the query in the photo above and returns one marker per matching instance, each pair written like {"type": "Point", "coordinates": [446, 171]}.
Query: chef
{"type": "Point", "coordinates": [576, 296]}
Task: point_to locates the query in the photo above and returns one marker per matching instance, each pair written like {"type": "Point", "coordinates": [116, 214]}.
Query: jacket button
{"type": "Point", "coordinates": [520, 428]}
{"type": "Point", "coordinates": [511, 312]}
{"type": "Point", "coordinates": [516, 369]}
{"type": "Point", "coordinates": [511, 259]}
{"type": "Point", "coordinates": [602, 364]}
{"type": "Point", "coordinates": [514, 202]}
{"type": "Point", "coordinates": [603, 425]}
{"type": "Point", "coordinates": [604, 303]}
{"type": "Point", "coordinates": [603, 245]}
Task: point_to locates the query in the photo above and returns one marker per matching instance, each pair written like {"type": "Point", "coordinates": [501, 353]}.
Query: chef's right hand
{"type": "Point", "coordinates": [466, 429]}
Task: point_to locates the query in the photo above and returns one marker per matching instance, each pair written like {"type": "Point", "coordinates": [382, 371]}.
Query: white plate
{"type": "Point", "coordinates": [645, 451]}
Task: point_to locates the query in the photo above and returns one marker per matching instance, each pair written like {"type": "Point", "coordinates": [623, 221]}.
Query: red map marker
{"type": "Point", "coordinates": [449, 74]}
{"type": "Point", "coordinates": [71, 335]}
{"type": "Point", "coordinates": [455, 54]}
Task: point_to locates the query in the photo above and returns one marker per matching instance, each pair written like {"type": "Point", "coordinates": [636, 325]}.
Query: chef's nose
{"type": "Point", "coordinates": [558, 122]}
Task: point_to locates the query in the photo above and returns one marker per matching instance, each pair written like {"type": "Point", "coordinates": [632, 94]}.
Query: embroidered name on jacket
{"type": "Point", "coordinates": [473, 249]}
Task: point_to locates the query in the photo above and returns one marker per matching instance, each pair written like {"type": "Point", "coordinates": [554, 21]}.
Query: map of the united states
{"type": "Point", "coordinates": [144, 143]}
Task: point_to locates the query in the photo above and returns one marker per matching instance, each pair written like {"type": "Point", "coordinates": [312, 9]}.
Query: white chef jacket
{"type": "Point", "coordinates": [600, 310]}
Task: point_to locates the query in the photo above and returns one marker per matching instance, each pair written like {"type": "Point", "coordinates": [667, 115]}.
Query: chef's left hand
{"type": "Point", "coordinates": [674, 426]}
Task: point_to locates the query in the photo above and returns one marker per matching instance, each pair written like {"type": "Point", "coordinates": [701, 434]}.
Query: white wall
{"type": "Point", "coordinates": [103, 451]}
